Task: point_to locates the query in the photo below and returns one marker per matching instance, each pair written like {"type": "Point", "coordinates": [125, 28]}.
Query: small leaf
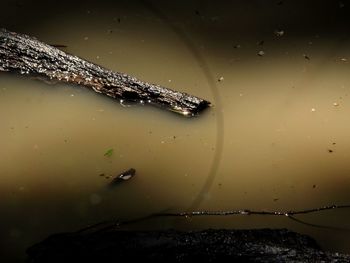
{"type": "Point", "coordinates": [109, 153]}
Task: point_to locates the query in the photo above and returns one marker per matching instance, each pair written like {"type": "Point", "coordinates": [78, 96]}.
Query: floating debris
{"type": "Point", "coordinates": [260, 43]}
{"type": "Point", "coordinates": [109, 153]}
{"type": "Point", "coordinates": [313, 109]}
{"type": "Point", "coordinates": [344, 59]}
{"type": "Point", "coordinates": [221, 79]}
{"type": "Point", "coordinates": [261, 53]}
{"type": "Point", "coordinates": [86, 38]}
{"type": "Point", "coordinates": [335, 104]}
{"type": "Point", "coordinates": [306, 56]}
{"type": "Point", "coordinates": [102, 174]}
{"type": "Point", "coordinates": [330, 150]}
{"type": "Point", "coordinates": [314, 186]}
{"type": "Point", "coordinates": [124, 176]}
{"type": "Point", "coordinates": [279, 32]}
{"type": "Point", "coordinates": [237, 46]}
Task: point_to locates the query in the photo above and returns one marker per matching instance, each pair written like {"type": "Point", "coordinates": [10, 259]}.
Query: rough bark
{"type": "Point", "coordinates": [27, 55]}
{"type": "Point", "coordinates": [264, 245]}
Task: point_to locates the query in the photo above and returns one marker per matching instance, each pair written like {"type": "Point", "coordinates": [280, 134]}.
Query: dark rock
{"type": "Point", "coordinates": [260, 245]}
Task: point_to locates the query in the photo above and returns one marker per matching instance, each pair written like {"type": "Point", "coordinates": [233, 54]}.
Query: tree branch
{"type": "Point", "coordinates": [27, 55]}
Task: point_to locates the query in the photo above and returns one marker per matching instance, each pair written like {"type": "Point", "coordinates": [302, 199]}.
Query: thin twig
{"type": "Point", "coordinates": [318, 225]}
{"type": "Point", "coordinates": [250, 212]}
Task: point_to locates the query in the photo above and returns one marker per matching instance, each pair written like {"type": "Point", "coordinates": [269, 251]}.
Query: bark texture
{"type": "Point", "coordinates": [27, 55]}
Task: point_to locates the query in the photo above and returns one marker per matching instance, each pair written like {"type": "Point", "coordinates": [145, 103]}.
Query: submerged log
{"type": "Point", "coordinates": [259, 245]}
{"type": "Point", "coordinates": [27, 55]}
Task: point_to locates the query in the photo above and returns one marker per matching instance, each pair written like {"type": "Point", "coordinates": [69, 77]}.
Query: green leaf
{"type": "Point", "coordinates": [109, 153]}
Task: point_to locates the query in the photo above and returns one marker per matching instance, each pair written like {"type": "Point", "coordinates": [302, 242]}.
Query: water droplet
{"type": "Point", "coordinates": [261, 53]}
{"type": "Point", "coordinates": [279, 32]}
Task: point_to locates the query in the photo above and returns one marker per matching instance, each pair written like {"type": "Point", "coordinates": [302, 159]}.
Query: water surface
{"type": "Point", "coordinates": [276, 137]}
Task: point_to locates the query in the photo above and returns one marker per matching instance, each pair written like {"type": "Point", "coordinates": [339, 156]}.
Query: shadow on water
{"type": "Point", "coordinates": [198, 57]}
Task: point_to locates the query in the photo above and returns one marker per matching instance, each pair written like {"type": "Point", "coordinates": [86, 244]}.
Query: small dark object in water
{"type": "Point", "coordinates": [124, 176]}
{"type": "Point", "coordinates": [306, 57]}
{"type": "Point", "coordinates": [210, 245]}
{"type": "Point", "coordinates": [330, 151]}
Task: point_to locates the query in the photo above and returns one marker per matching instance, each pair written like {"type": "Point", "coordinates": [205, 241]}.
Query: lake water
{"type": "Point", "coordinates": [276, 137]}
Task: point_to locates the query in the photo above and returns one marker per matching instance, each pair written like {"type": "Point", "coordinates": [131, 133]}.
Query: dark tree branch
{"type": "Point", "coordinates": [27, 55]}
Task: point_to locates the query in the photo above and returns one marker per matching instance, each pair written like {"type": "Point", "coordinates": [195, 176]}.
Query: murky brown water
{"type": "Point", "coordinates": [277, 137]}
